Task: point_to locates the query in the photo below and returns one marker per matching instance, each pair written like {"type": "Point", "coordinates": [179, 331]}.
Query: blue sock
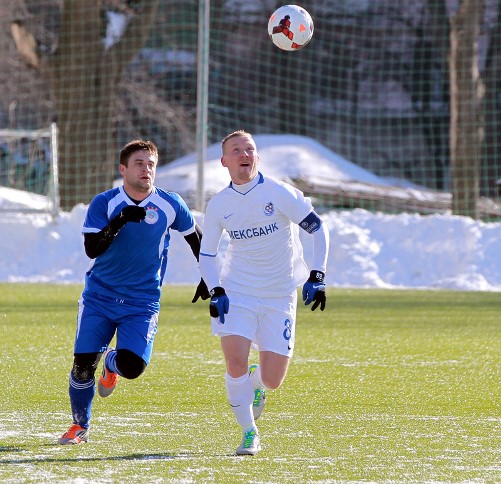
{"type": "Point", "coordinates": [110, 362]}
{"type": "Point", "coordinates": [81, 396]}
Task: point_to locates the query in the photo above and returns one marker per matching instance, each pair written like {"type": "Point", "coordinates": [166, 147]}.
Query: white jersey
{"type": "Point", "coordinates": [264, 255]}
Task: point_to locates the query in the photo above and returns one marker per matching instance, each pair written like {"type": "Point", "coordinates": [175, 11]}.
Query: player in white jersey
{"type": "Point", "coordinates": [253, 295]}
{"type": "Point", "coordinates": [126, 234]}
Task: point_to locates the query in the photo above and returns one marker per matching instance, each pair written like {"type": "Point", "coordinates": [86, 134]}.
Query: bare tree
{"type": "Point", "coordinates": [84, 73]}
{"type": "Point", "coordinates": [466, 126]}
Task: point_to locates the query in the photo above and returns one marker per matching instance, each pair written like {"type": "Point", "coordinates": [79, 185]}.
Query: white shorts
{"type": "Point", "coordinates": [269, 322]}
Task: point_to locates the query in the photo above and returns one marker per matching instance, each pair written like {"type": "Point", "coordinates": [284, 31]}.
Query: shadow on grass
{"type": "Point", "coordinates": [9, 449]}
{"type": "Point", "coordinates": [35, 460]}
{"type": "Point", "coordinates": [143, 457]}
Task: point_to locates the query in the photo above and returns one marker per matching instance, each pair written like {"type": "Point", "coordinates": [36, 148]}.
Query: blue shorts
{"type": "Point", "coordinates": [99, 317]}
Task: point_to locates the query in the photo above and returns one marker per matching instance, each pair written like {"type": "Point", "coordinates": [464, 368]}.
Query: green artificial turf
{"type": "Point", "coordinates": [384, 386]}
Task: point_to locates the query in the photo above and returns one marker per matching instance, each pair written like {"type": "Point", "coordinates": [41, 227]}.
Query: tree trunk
{"type": "Point", "coordinates": [85, 77]}
{"type": "Point", "coordinates": [466, 127]}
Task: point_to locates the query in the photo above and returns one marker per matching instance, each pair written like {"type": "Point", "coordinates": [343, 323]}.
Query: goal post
{"type": "Point", "coordinates": [29, 162]}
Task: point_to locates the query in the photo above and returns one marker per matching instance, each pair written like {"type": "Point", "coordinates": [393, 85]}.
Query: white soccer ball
{"type": "Point", "coordinates": [290, 27]}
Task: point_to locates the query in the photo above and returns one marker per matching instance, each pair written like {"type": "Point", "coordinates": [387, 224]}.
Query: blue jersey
{"type": "Point", "coordinates": [133, 266]}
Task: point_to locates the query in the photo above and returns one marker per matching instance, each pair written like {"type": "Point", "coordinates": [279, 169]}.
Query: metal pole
{"type": "Point", "coordinates": [202, 96]}
{"type": "Point", "coordinates": [55, 170]}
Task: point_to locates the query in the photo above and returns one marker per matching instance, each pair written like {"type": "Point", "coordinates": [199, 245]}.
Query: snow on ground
{"type": "Point", "coordinates": [370, 250]}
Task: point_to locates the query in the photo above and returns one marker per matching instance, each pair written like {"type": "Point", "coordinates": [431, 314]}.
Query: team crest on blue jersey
{"type": "Point", "coordinates": [151, 215]}
{"type": "Point", "coordinates": [269, 209]}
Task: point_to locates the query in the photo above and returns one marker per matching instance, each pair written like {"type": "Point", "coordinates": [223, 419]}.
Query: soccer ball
{"type": "Point", "coordinates": [290, 27]}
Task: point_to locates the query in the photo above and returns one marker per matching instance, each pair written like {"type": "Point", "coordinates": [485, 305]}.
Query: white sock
{"type": "Point", "coordinates": [240, 396]}
{"type": "Point", "coordinates": [255, 378]}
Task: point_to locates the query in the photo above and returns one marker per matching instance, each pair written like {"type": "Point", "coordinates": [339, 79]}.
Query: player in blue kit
{"type": "Point", "coordinates": [253, 297]}
{"type": "Point", "coordinates": [126, 233]}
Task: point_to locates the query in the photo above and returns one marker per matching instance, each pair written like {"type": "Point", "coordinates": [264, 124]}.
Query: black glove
{"type": "Point", "coordinates": [130, 213]}
{"type": "Point", "coordinates": [314, 290]}
{"type": "Point", "coordinates": [201, 292]}
{"type": "Point", "coordinates": [219, 303]}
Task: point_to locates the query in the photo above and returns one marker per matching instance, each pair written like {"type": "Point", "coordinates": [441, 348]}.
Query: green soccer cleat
{"type": "Point", "coordinates": [259, 397]}
{"type": "Point", "coordinates": [251, 444]}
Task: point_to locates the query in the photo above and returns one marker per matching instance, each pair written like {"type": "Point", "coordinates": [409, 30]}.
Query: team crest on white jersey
{"type": "Point", "coordinates": [151, 215]}
{"type": "Point", "coordinates": [269, 209]}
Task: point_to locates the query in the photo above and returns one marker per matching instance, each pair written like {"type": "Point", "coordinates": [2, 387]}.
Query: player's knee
{"type": "Point", "coordinates": [84, 366]}
{"type": "Point", "coordinates": [272, 382]}
{"type": "Point", "coordinates": [129, 364]}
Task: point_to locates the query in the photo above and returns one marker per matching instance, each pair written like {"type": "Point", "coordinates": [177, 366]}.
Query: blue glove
{"type": "Point", "coordinates": [314, 290]}
{"type": "Point", "coordinates": [219, 303]}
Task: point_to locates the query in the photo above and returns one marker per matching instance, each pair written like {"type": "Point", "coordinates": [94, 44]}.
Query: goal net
{"type": "Point", "coordinates": [28, 170]}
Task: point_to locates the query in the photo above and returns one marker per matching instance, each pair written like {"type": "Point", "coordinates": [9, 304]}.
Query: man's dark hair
{"type": "Point", "coordinates": [136, 145]}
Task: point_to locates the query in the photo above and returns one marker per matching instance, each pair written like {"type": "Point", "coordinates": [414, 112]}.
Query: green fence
{"type": "Point", "coordinates": [374, 86]}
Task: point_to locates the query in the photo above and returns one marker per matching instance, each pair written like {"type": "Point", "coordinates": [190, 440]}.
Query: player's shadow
{"type": "Point", "coordinates": [4, 448]}
{"type": "Point", "coordinates": [44, 460]}
{"type": "Point", "coordinates": [142, 457]}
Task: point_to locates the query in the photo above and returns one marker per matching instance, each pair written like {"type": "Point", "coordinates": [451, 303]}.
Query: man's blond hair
{"type": "Point", "coordinates": [239, 132]}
